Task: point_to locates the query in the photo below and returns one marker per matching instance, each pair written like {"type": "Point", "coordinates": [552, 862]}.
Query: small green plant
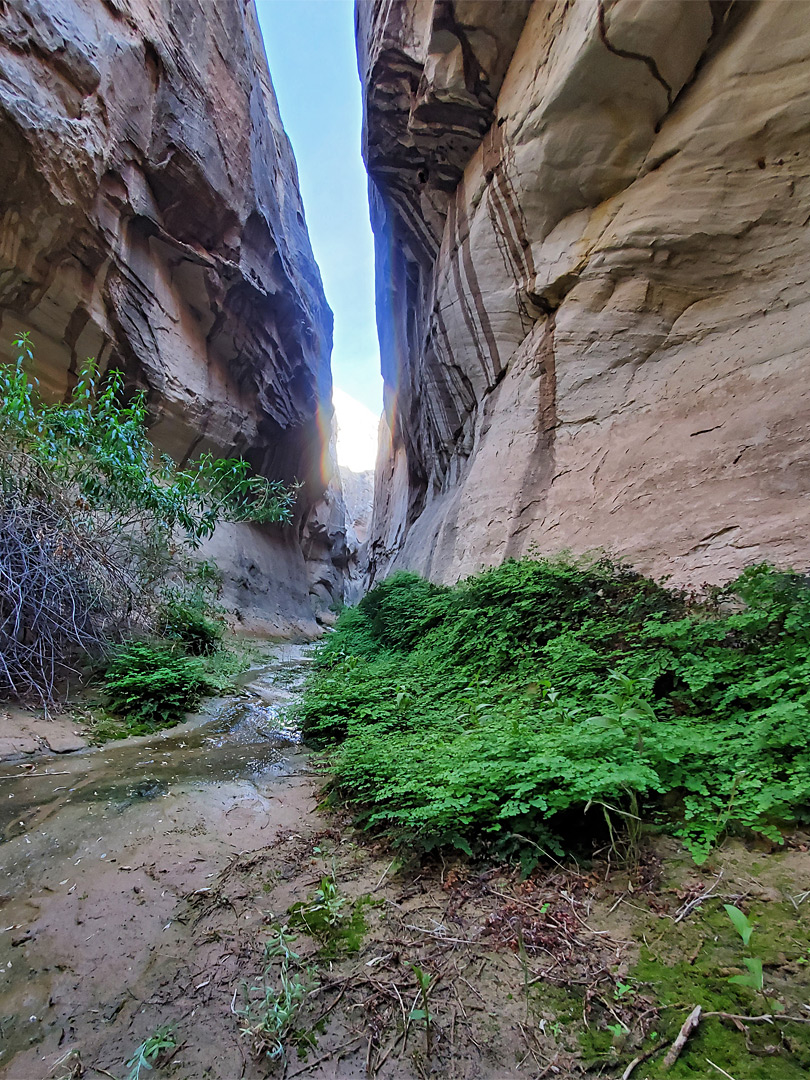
{"type": "Point", "coordinates": [337, 924]}
{"type": "Point", "coordinates": [743, 926]}
{"type": "Point", "coordinates": [323, 913]}
{"type": "Point", "coordinates": [424, 982]}
{"type": "Point", "coordinates": [740, 922]}
{"type": "Point", "coordinates": [617, 1030]}
{"type": "Point", "coordinates": [147, 1054]}
{"type": "Point", "coordinates": [273, 1004]}
{"type": "Point", "coordinates": [755, 978]}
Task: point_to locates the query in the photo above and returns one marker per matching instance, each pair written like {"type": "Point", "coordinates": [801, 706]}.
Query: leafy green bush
{"type": "Point", "coordinates": [189, 611]}
{"type": "Point", "coordinates": [154, 686]}
{"type": "Point", "coordinates": [543, 701]}
{"type": "Point", "coordinates": [189, 623]}
{"type": "Point", "coordinates": [93, 524]}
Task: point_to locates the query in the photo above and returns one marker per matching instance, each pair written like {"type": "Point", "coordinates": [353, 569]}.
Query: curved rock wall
{"type": "Point", "coordinates": [150, 216]}
{"type": "Point", "coordinates": [592, 252]}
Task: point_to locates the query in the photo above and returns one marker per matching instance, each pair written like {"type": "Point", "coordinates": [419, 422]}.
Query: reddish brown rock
{"type": "Point", "coordinates": [150, 216]}
{"type": "Point", "coordinates": [592, 254]}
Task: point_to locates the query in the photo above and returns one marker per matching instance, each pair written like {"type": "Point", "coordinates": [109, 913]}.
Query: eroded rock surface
{"type": "Point", "coordinates": [592, 253]}
{"type": "Point", "coordinates": [358, 499]}
{"type": "Point", "coordinates": [150, 216]}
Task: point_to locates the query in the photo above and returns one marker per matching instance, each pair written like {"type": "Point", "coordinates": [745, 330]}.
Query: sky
{"type": "Point", "coordinates": [313, 64]}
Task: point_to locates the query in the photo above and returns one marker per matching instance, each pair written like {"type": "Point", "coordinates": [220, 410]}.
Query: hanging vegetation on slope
{"type": "Point", "coordinates": [542, 703]}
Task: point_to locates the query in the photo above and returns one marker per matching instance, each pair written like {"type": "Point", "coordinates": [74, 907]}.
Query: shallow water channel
{"type": "Point", "coordinates": [97, 847]}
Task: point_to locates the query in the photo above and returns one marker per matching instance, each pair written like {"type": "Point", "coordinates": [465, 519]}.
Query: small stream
{"type": "Point", "coordinates": [247, 738]}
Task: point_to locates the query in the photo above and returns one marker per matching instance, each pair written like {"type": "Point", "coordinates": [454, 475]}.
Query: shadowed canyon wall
{"type": "Point", "coordinates": [150, 216]}
{"type": "Point", "coordinates": [591, 222]}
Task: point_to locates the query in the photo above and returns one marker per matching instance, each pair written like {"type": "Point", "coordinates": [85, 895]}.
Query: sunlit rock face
{"type": "Point", "coordinates": [592, 253]}
{"type": "Point", "coordinates": [150, 216]}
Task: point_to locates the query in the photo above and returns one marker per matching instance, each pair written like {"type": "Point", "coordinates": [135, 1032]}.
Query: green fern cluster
{"type": "Point", "coordinates": [524, 707]}
{"type": "Point", "coordinates": [154, 686]}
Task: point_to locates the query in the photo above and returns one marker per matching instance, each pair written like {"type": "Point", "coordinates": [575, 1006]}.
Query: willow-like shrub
{"type": "Point", "coordinates": [95, 528]}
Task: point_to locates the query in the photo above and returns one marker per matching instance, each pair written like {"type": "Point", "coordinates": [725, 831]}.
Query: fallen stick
{"type": "Point", "coordinates": [723, 1071]}
{"type": "Point", "coordinates": [338, 1052]}
{"type": "Point", "coordinates": [689, 1025]}
{"type": "Point", "coordinates": [641, 1058]}
{"type": "Point", "coordinates": [687, 909]}
{"type": "Point", "coordinates": [25, 775]}
{"type": "Point", "coordinates": [766, 1018]}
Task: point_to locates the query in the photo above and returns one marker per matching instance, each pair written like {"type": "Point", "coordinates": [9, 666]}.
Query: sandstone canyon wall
{"type": "Point", "coordinates": [358, 499]}
{"type": "Point", "coordinates": [150, 216]}
{"type": "Point", "coordinates": [593, 251]}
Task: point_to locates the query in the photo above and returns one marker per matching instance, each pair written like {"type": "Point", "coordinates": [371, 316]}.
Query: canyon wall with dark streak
{"type": "Point", "coordinates": [150, 216]}
{"type": "Point", "coordinates": [592, 248]}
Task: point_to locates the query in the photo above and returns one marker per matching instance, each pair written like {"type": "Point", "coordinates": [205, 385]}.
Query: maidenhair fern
{"type": "Point", "coordinates": [526, 707]}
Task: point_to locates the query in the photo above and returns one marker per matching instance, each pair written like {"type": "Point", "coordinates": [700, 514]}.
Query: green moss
{"type": "Point", "coordinates": [722, 1044]}
{"type": "Point", "coordinates": [680, 984]}
{"type": "Point", "coordinates": [691, 964]}
{"type": "Point", "coordinates": [338, 932]}
{"type": "Point", "coordinates": [555, 1002]}
{"type": "Point", "coordinates": [597, 1045]}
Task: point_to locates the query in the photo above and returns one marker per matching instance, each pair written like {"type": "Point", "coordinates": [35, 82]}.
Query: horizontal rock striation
{"type": "Point", "coordinates": [592, 255]}
{"type": "Point", "coordinates": [150, 216]}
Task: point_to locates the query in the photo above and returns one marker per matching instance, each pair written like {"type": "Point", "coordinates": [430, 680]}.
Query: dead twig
{"type": "Point", "coordinates": [766, 1018]}
{"type": "Point", "coordinates": [333, 1006]}
{"type": "Point", "coordinates": [383, 876]}
{"type": "Point", "coordinates": [642, 1058]}
{"type": "Point", "coordinates": [689, 1025]}
{"type": "Point", "coordinates": [337, 1054]}
{"type": "Point", "coordinates": [687, 909]}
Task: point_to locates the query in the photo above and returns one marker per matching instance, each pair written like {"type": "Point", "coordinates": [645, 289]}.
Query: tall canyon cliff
{"type": "Point", "coordinates": [150, 216]}
{"type": "Point", "coordinates": [591, 222]}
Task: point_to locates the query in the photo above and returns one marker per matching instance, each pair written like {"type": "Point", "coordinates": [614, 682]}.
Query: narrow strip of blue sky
{"type": "Point", "coordinates": [311, 52]}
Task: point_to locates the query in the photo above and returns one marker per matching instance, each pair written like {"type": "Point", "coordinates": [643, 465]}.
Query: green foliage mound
{"type": "Point", "coordinates": [543, 702]}
{"type": "Point", "coordinates": [188, 611]}
{"type": "Point", "coordinates": [154, 686]}
{"type": "Point", "coordinates": [190, 623]}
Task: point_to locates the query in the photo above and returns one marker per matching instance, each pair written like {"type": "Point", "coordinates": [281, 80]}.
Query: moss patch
{"type": "Point", "coordinates": [691, 964]}
{"type": "Point", "coordinates": [338, 928]}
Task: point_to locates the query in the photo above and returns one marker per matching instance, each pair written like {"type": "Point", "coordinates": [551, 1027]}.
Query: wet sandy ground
{"type": "Point", "coordinates": [140, 882]}
{"type": "Point", "coordinates": [101, 846]}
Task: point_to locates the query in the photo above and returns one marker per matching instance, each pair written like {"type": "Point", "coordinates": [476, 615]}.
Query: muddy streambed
{"type": "Point", "coordinates": [98, 847]}
{"type": "Point", "coordinates": [140, 883]}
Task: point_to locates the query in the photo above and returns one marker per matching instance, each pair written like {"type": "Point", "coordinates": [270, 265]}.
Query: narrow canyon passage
{"type": "Point", "coordinates": [451, 357]}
